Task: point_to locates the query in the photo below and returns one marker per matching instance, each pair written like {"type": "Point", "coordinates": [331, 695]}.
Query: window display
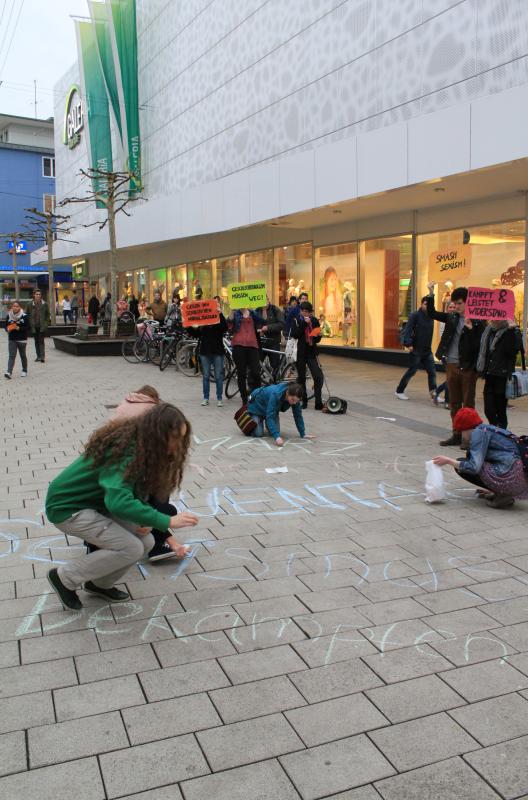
{"type": "Point", "coordinates": [258, 266]}
{"type": "Point", "coordinates": [177, 280]}
{"type": "Point", "coordinates": [200, 283]}
{"type": "Point", "coordinates": [385, 267]}
{"type": "Point", "coordinates": [157, 282]}
{"type": "Point", "coordinates": [293, 272]}
{"type": "Point", "coordinates": [227, 271]}
{"type": "Point", "coordinates": [336, 293]}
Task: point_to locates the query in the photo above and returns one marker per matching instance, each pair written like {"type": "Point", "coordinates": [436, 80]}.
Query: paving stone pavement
{"type": "Point", "coordinates": [331, 636]}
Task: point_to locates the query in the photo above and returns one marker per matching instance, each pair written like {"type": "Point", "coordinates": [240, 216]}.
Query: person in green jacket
{"type": "Point", "coordinates": [39, 320]}
{"type": "Point", "coordinates": [99, 498]}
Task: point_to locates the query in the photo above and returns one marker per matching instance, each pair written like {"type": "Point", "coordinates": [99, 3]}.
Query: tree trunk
{"type": "Point", "coordinates": [110, 207]}
{"type": "Point", "coordinates": [15, 270]}
{"type": "Point", "coordinates": [51, 285]}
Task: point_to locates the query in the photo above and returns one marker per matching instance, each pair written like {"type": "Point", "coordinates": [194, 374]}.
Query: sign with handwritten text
{"type": "Point", "coordinates": [490, 304]}
{"type": "Point", "coordinates": [200, 312]}
{"type": "Point", "coordinates": [453, 264]}
{"type": "Point", "coordinates": [246, 295]}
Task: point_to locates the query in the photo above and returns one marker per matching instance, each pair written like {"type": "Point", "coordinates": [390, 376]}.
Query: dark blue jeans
{"type": "Point", "coordinates": [217, 362]}
{"type": "Point", "coordinates": [416, 360]}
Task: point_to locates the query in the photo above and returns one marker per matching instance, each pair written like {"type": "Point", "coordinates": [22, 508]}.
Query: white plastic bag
{"type": "Point", "coordinates": [290, 350]}
{"type": "Point", "coordinates": [434, 483]}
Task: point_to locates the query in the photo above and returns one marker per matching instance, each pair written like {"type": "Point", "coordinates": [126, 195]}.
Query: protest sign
{"type": "Point", "coordinates": [200, 312]}
{"type": "Point", "coordinates": [451, 264]}
{"type": "Point", "coordinates": [492, 304]}
{"type": "Point", "coordinates": [246, 295]}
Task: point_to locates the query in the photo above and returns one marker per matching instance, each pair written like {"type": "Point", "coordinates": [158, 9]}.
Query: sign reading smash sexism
{"type": "Point", "coordinates": [200, 312]}
{"type": "Point", "coordinates": [246, 295]}
{"type": "Point", "coordinates": [490, 303]}
{"type": "Point", "coordinates": [450, 264]}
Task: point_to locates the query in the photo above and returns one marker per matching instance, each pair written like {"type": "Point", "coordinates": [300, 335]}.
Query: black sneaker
{"type": "Point", "coordinates": [67, 596]}
{"type": "Point", "coordinates": [113, 594]}
{"type": "Point", "coordinates": [161, 551]}
{"type": "Point", "coordinates": [454, 440]}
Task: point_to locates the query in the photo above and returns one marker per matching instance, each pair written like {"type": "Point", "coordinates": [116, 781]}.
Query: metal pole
{"type": "Point", "coordinates": [525, 299]}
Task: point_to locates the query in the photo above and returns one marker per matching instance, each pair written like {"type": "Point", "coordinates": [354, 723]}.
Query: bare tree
{"type": "Point", "coordinates": [111, 190]}
{"type": "Point", "coordinates": [13, 239]}
{"type": "Point", "coordinates": [51, 228]}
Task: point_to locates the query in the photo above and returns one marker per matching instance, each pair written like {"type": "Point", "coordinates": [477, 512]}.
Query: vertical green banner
{"type": "Point", "coordinates": [123, 33]}
{"type": "Point", "coordinates": [99, 140]}
{"type": "Point", "coordinates": [99, 15]}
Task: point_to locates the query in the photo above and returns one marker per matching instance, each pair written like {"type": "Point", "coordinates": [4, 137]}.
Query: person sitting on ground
{"type": "Point", "coordinates": [493, 462]}
{"type": "Point", "coordinates": [264, 405]}
{"type": "Point", "coordinates": [98, 498]}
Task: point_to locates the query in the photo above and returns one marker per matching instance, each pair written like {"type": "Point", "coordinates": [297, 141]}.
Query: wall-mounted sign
{"type": "Point", "coordinates": [450, 264]}
{"type": "Point", "coordinates": [73, 117]}
{"type": "Point", "coordinates": [21, 247]}
{"type": "Point", "coordinates": [79, 270]}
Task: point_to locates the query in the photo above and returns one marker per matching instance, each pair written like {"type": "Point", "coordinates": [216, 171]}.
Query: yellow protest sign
{"type": "Point", "coordinates": [451, 264]}
{"type": "Point", "coordinates": [246, 295]}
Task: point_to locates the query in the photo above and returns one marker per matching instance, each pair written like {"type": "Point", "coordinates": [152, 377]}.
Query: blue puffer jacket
{"type": "Point", "coordinates": [491, 444]}
{"type": "Point", "coordinates": [266, 403]}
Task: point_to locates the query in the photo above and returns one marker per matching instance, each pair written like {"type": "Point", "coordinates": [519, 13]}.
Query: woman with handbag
{"type": "Point", "coordinates": [17, 326]}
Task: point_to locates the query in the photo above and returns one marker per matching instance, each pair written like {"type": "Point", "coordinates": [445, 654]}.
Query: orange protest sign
{"type": "Point", "coordinates": [453, 264]}
{"type": "Point", "coordinates": [200, 312]}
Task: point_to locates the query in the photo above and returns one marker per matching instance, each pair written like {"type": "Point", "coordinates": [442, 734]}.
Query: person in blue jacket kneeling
{"type": "Point", "coordinates": [264, 405]}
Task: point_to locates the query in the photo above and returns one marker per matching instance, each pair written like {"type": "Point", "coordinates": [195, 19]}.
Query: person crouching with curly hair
{"type": "Point", "coordinates": [100, 498]}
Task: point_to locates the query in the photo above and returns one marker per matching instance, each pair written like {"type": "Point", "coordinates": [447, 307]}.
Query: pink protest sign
{"type": "Point", "coordinates": [490, 304]}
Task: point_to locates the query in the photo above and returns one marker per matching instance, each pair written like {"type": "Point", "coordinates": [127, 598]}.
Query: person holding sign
{"type": "Point", "coordinates": [307, 331]}
{"type": "Point", "coordinates": [459, 347]}
{"type": "Point", "coordinates": [244, 324]}
{"type": "Point", "coordinates": [211, 349]}
{"type": "Point", "coordinates": [500, 343]}
{"type": "Point", "coordinates": [493, 461]}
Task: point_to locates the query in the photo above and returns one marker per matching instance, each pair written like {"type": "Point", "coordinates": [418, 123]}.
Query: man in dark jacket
{"type": "Point", "coordinates": [500, 343]}
{"type": "Point", "coordinates": [272, 330]}
{"type": "Point", "coordinates": [306, 329]}
{"type": "Point", "coordinates": [93, 308]}
{"type": "Point", "coordinates": [417, 336]}
{"type": "Point", "coordinates": [39, 320]}
{"type": "Point", "coordinates": [459, 348]}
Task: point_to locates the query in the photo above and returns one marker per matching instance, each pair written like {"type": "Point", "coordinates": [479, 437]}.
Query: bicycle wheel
{"type": "Point", "coordinates": [166, 356]}
{"type": "Point", "coordinates": [154, 351]}
{"type": "Point", "coordinates": [128, 351]}
{"type": "Point", "coordinates": [231, 388]}
{"type": "Point", "coordinates": [141, 349]}
{"type": "Point", "coordinates": [289, 372]}
{"type": "Point", "coordinates": [188, 361]}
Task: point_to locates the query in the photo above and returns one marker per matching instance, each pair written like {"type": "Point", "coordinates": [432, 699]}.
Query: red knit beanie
{"type": "Point", "coordinates": [465, 419]}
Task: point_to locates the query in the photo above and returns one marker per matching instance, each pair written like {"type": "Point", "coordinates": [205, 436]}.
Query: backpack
{"type": "Point", "coordinates": [522, 447]}
{"type": "Point", "coordinates": [245, 421]}
{"type": "Point", "coordinates": [403, 330]}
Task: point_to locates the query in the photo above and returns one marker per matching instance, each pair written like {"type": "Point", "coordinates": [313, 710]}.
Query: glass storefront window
{"type": "Point", "coordinates": [125, 285]}
{"type": "Point", "coordinates": [258, 266]}
{"type": "Point", "coordinates": [157, 282]}
{"type": "Point", "coordinates": [227, 270]}
{"type": "Point", "coordinates": [336, 293]}
{"type": "Point", "coordinates": [293, 272]}
{"type": "Point", "coordinates": [200, 282]}
{"type": "Point", "coordinates": [385, 267]}
{"type": "Point", "coordinates": [490, 256]}
{"type": "Point", "coordinates": [177, 280]}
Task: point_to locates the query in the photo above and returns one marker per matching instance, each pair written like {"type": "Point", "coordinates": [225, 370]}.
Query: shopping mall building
{"type": "Point", "coordinates": [353, 148]}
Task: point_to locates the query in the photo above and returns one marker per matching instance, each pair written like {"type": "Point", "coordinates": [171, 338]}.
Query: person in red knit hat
{"type": "Point", "coordinates": [492, 462]}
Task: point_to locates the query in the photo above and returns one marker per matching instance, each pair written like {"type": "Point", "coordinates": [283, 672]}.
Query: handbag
{"type": "Point", "coordinates": [245, 421]}
{"type": "Point", "coordinates": [290, 351]}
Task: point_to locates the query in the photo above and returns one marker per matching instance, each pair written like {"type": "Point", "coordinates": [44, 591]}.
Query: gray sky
{"type": "Point", "coordinates": [43, 47]}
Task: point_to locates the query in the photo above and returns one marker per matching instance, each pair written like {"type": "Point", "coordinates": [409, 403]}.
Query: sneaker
{"type": "Point", "coordinates": [37, 360]}
{"type": "Point", "coordinates": [161, 551]}
{"type": "Point", "coordinates": [401, 395]}
{"type": "Point", "coordinates": [433, 395]}
{"type": "Point", "coordinates": [454, 440]}
{"type": "Point", "coordinates": [113, 594]}
{"type": "Point", "coordinates": [23, 374]}
{"type": "Point", "coordinates": [500, 501]}
{"type": "Point", "coordinates": [319, 406]}
{"type": "Point", "coordinates": [7, 375]}
{"type": "Point", "coordinates": [220, 403]}
{"type": "Point", "coordinates": [205, 402]}
{"type": "Point", "coordinates": [67, 596]}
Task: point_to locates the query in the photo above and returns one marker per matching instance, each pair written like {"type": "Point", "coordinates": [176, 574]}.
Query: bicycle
{"type": "Point", "coordinates": [136, 350]}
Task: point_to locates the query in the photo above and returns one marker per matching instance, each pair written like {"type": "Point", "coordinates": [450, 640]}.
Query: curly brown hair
{"type": "Point", "coordinates": [145, 440]}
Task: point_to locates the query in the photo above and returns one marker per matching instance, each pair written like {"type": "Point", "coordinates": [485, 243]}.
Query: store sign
{"type": "Point", "coordinates": [453, 264]}
{"type": "Point", "coordinates": [246, 295]}
{"type": "Point", "coordinates": [73, 117]}
{"type": "Point", "coordinates": [200, 312]}
{"type": "Point", "coordinates": [21, 247]}
{"type": "Point", "coordinates": [79, 270]}
{"type": "Point", "coordinates": [492, 304]}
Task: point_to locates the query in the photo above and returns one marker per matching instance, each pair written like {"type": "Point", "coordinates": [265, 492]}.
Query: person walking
{"type": "Point", "coordinates": [39, 320]}
{"type": "Point", "coordinates": [266, 403]}
{"type": "Point", "coordinates": [305, 328]}
{"type": "Point", "coordinates": [211, 350]}
{"type": "Point", "coordinates": [74, 303]}
{"type": "Point", "coordinates": [417, 336]}
{"type": "Point", "coordinates": [500, 343]}
{"type": "Point", "coordinates": [244, 324]}
{"type": "Point", "coordinates": [98, 498]}
{"type": "Point", "coordinates": [66, 309]}
{"type": "Point", "coordinates": [459, 347]}
{"type": "Point", "coordinates": [93, 308]}
{"type": "Point", "coordinates": [272, 329]}
{"type": "Point", "coordinates": [17, 327]}
{"type": "Point", "coordinates": [493, 461]}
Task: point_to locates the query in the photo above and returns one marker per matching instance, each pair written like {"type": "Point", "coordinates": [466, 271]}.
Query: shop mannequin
{"type": "Point", "coordinates": [446, 297]}
{"type": "Point", "coordinates": [300, 288]}
{"type": "Point", "coordinates": [291, 288]}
